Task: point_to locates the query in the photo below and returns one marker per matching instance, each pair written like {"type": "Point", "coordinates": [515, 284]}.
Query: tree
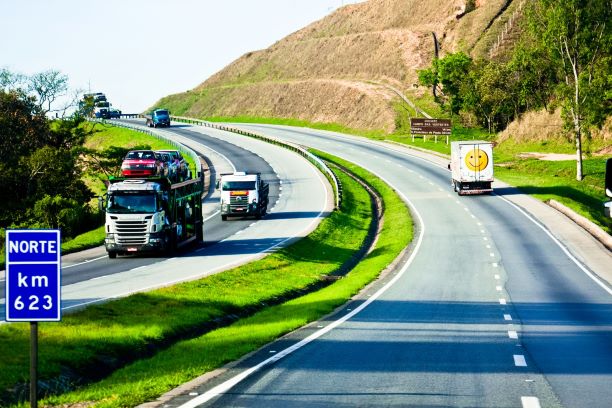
{"type": "Point", "coordinates": [11, 80]}
{"type": "Point", "coordinates": [23, 126]}
{"type": "Point", "coordinates": [487, 92]}
{"type": "Point", "coordinates": [577, 35]}
{"type": "Point", "coordinates": [48, 86]}
{"type": "Point", "coordinates": [451, 72]}
{"type": "Point", "coordinates": [39, 158]}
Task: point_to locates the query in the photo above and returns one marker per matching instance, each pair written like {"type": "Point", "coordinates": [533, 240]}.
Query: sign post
{"type": "Point", "coordinates": [425, 127]}
{"type": "Point", "coordinates": [33, 269]}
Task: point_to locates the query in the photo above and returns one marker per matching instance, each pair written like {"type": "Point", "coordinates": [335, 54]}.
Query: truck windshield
{"type": "Point", "coordinates": [131, 203]}
{"type": "Point", "coordinates": [161, 113]}
{"type": "Point", "coordinates": [238, 185]}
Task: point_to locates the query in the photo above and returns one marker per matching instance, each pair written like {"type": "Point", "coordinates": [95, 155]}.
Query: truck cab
{"type": "Point", "coordinates": [151, 214]}
{"type": "Point", "coordinates": [158, 118]}
{"type": "Point", "coordinates": [243, 194]}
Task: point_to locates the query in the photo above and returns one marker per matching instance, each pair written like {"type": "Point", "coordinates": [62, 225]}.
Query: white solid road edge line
{"type": "Point", "coordinates": [530, 402]}
{"type": "Point", "coordinates": [560, 245]}
{"type": "Point", "coordinates": [227, 385]}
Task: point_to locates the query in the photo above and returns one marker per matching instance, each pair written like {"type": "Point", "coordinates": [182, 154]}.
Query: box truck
{"type": "Point", "coordinates": [472, 167]}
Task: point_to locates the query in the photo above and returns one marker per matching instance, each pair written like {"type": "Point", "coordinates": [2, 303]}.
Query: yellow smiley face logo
{"type": "Point", "coordinates": [476, 160]}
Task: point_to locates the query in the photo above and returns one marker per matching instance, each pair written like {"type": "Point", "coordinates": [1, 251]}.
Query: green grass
{"type": "Point", "coordinates": [556, 180]}
{"type": "Point", "coordinates": [107, 135]}
{"type": "Point", "coordinates": [130, 328]}
{"type": "Point", "coordinates": [334, 127]}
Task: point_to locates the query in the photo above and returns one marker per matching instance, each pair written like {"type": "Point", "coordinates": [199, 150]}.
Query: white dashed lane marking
{"type": "Point", "coordinates": [519, 360]}
{"type": "Point", "coordinates": [530, 402]}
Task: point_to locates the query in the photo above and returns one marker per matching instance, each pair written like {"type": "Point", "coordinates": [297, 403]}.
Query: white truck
{"type": "Point", "coordinates": [243, 194]}
{"type": "Point", "coordinates": [151, 214]}
{"type": "Point", "coordinates": [471, 167]}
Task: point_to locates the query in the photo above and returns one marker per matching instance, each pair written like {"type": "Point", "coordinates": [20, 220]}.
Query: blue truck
{"type": "Point", "coordinates": [158, 118]}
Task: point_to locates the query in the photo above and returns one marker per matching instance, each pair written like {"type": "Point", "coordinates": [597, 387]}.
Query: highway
{"type": "Point", "coordinates": [299, 198]}
{"type": "Point", "coordinates": [491, 309]}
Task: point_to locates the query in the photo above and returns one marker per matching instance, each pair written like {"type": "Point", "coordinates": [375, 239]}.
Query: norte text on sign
{"type": "Point", "coordinates": [33, 265]}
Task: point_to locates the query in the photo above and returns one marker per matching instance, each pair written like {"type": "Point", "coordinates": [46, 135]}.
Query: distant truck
{"type": "Point", "coordinates": [158, 118]}
{"type": "Point", "coordinates": [152, 214]}
{"type": "Point", "coordinates": [472, 167]}
{"type": "Point", "coordinates": [101, 112]}
{"type": "Point", "coordinates": [608, 205]}
{"type": "Point", "coordinates": [243, 194]}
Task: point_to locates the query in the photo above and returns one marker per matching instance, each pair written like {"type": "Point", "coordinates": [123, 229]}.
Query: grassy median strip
{"type": "Point", "coordinates": [132, 324]}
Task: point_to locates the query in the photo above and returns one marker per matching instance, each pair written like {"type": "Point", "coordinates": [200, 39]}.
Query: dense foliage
{"type": "Point", "coordinates": [40, 168]}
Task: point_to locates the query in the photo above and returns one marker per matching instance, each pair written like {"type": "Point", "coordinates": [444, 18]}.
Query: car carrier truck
{"type": "Point", "coordinates": [243, 194]}
{"type": "Point", "coordinates": [472, 167]}
{"type": "Point", "coordinates": [152, 214]}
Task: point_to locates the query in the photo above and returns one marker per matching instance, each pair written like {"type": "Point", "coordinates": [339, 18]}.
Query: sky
{"type": "Point", "coordinates": [137, 51]}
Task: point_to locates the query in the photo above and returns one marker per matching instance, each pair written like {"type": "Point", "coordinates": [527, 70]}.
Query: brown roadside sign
{"type": "Point", "coordinates": [421, 126]}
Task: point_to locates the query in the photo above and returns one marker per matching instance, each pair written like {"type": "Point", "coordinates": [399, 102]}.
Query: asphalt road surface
{"type": "Point", "coordinates": [490, 310]}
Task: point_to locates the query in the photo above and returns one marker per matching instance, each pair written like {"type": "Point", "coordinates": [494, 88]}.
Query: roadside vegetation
{"type": "Point", "coordinates": [129, 351]}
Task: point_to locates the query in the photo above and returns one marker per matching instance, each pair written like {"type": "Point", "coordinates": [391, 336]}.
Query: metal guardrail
{"type": "Point", "coordinates": [287, 145]}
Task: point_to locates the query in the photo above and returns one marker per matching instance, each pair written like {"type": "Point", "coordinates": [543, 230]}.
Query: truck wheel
{"type": "Point", "coordinates": [112, 255]}
{"type": "Point", "coordinates": [199, 232]}
{"type": "Point", "coordinates": [223, 217]}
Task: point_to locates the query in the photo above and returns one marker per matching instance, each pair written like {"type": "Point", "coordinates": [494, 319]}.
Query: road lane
{"type": "Point", "coordinates": [491, 312]}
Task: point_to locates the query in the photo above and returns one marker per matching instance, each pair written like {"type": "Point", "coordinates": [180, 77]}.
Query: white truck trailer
{"type": "Point", "coordinates": [472, 167]}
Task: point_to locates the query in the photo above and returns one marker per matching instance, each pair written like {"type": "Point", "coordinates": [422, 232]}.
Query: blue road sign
{"type": "Point", "coordinates": [33, 267]}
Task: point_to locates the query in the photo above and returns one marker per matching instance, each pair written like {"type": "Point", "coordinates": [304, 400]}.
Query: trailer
{"type": "Point", "coordinates": [472, 167]}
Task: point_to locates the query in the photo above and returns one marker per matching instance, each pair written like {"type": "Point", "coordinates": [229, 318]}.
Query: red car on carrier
{"type": "Point", "coordinates": [141, 163]}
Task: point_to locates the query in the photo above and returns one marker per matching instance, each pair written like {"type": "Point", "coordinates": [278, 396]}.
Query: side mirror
{"type": "Point", "coordinates": [217, 184]}
{"type": "Point", "coordinates": [101, 204]}
{"type": "Point", "coordinates": [609, 178]}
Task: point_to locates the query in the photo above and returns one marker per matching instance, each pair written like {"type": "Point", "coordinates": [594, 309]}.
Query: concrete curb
{"type": "Point", "coordinates": [592, 228]}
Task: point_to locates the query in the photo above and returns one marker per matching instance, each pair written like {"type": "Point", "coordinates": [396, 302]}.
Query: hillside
{"type": "Point", "coordinates": [338, 69]}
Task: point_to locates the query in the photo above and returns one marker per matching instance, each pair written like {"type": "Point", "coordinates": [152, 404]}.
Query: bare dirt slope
{"type": "Point", "coordinates": [331, 70]}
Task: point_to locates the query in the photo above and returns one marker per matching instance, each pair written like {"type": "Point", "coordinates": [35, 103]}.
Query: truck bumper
{"type": "Point", "coordinates": [473, 188]}
{"type": "Point", "coordinates": [239, 210]}
{"type": "Point", "coordinates": [156, 244]}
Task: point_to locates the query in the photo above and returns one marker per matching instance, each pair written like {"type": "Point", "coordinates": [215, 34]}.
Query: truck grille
{"type": "Point", "coordinates": [131, 232]}
{"type": "Point", "coordinates": [241, 200]}
{"type": "Point", "coordinates": [239, 203]}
